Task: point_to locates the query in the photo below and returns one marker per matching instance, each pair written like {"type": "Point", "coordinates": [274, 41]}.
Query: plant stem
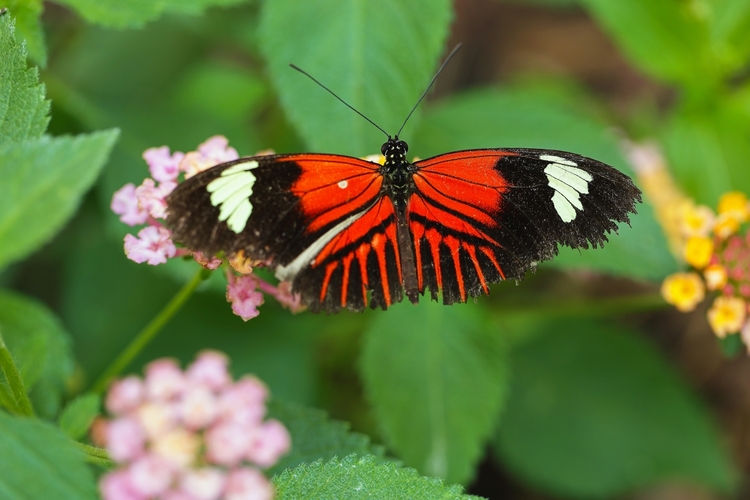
{"type": "Point", "coordinates": [23, 405]}
{"type": "Point", "coordinates": [149, 332]}
{"type": "Point", "coordinates": [590, 308]}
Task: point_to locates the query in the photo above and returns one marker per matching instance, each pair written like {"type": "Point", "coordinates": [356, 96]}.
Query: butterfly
{"type": "Point", "coordinates": [350, 233]}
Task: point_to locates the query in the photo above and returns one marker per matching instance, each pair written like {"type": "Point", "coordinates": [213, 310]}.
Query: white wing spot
{"type": "Point", "coordinates": [557, 159]}
{"type": "Point", "coordinates": [569, 184]}
{"type": "Point", "coordinates": [343, 184]}
{"type": "Point", "coordinates": [231, 192]}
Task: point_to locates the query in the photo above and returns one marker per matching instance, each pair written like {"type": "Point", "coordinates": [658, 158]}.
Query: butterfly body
{"type": "Point", "coordinates": [349, 233]}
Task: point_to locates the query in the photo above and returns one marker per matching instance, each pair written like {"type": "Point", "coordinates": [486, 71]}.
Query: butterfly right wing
{"type": "Point", "coordinates": [482, 216]}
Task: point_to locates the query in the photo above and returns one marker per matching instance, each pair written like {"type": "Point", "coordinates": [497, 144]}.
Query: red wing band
{"type": "Point", "coordinates": [288, 272]}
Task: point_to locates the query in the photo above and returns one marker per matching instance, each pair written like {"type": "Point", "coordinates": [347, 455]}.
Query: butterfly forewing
{"type": "Point", "coordinates": [481, 216]}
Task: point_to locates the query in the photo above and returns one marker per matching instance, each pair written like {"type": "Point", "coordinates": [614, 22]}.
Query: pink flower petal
{"type": "Point", "coordinates": [124, 395]}
{"type": "Point", "coordinates": [116, 485]}
{"type": "Point", "coordinates": [164, 167]}
{"type": "Point", "coordinates": [153, 246]}
{"type": "Point", "coordinates": [126, 439]}
{"type": "Point", "coordinates": [151, 475]}
{"type": "Point", "coordinates": [164, 379]}
{"type": "Point", "coordinates": [152, 198]}
{"type": "Point", "coordinates": [271, 442]}
{"type": "Point", "coordinates": [210, 369]}
{"type": "Point", "coordinates": [247, 484]}
{"type": "Point", "coordinates": [198, 407]}
{"type": "Point", "coordinates": [125, 204]}
{"type": "Point", "coordinates": [245, 299]}
{"type": "Point", "coordinates": [203, 484]}
{"type": "Point", "coordinates": [228, 442]}
{"type": "Point", "coordinates": [244, 402]}
{"type": "Point", "coordinates": [212, 152]}
{"type": "Point", "coordinates": [217, 148]}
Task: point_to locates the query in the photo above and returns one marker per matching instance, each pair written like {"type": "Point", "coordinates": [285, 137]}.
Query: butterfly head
{"type": "Point", "coordinates": [394, 151]}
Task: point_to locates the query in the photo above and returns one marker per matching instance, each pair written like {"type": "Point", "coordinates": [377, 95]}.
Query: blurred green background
{"type": "Point", "coordinates": [575, 383]}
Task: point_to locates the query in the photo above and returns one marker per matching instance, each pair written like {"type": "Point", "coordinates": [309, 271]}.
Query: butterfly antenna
{"type": "Point", "coordinates": [340, 99]}
{"type": "Point", "coordinates": [453, 52]}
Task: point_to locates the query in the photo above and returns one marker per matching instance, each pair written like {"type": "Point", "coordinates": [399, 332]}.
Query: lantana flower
{"type": "Point", "coordinates": [146, 204]}
{"type": "Point", "coordinates": [193, 434]}
{"type": "Point", "coordinates": [683, 290]}
{"type": "Point", "coordinates": [716, 245]}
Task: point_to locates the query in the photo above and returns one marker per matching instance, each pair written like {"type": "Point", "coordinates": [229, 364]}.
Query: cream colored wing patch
{"type": "Point", "coordinates": [569, 183]}
{"type": "Point", "coordinates": [231, 191]}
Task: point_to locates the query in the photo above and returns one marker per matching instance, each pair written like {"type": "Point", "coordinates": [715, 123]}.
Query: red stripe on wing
{"type": "Point", "coordinates": [372, 232]}
{"type": "Point", "coordinates": [454, 210]}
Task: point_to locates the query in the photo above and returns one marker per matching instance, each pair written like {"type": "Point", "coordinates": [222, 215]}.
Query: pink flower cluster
{"type": "Point", "coordinates": [146, 204]}
{"type": "Point", "coordinates": [192, 435]}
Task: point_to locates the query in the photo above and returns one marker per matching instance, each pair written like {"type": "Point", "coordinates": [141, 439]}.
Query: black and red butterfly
{"type": "Point", "coordinates": [349, 233]}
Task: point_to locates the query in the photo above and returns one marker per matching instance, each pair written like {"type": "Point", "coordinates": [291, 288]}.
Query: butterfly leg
{"type": "Point", "coordinates": [408, 268]}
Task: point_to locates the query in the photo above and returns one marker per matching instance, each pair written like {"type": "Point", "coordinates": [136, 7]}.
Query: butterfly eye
{"type": "Point", "coordinates": [403, 145]}
{"type": "Point", "coordinates": [383, 149]}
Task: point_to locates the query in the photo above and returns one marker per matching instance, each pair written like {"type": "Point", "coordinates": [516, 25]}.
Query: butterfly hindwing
{"type": "Point", "coordinates": [481, 216]}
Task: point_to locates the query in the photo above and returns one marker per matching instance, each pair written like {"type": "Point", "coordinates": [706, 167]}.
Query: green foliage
{"type": "Point", "coordinates": [437, 382]}
{"type": "Point", "coordinates": [26, 14]}
{"type": "Point", "coordinates": [377, 55]}
{"type": "Point", "coordinates": [23, 109]}
{"type": "Point", "coordinates": [595, 412]}
{"type": "Point", "coordinates": [577, 409]}
{"type": "Point", "coordinates": [38, 461]}
{"type": "Point", "coordinates": [707, 147]}
{"type": "Point", "coordinates": [671, 39]}
{"type": "Point", "coordinates": [40, 347]}
{"type": "Point", "coordinates": [77, 416]}
{"type": "Point", "coordinates": [43, 182]}
{"type": "Point", "coordinates": [315, 437]}
{"type": "Point", "coordinates": [361, 478]}
{"type": "Point", "coordinates": [134, 13]}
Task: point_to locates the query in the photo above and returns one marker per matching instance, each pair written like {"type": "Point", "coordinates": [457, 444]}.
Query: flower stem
{"type": "Point", "coordinates": [149, 332]}
{"type": "Point", "coordinates": [15, 382]}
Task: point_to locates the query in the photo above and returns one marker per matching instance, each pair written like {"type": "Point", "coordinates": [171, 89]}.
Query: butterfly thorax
{"type": "Point", "coordinates": [397, 170]}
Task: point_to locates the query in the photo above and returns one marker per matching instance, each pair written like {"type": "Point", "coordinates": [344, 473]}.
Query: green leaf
{"type": "Point", "coordinates": [356, 478]}
{"type": "Point", "coordinates": [77, 416]}
{"type": "Point", "coordinates": [553, 116]}
{"type": "Point", "coordinates": [730, 29]}
{"type": "Point", "coordinates": [377, 55]}
{"type": "Point", "coordinates": [670, 41]}
{"type": "Point", "coordinates": [437, 383]}
{"type": "Point", "coordinates": [39, 461]}
{"type": "Point", "coordinates": [31, 353]}
{"type": "Point", "coordinates": [135, 13]}
{"type": "Point", "coordinates": [40, 347]}
{"type": "Point", "coordinates": [315, 436]}
{"type": "Point", "coordinates": [708, 150]}
{"type": "Point", "coordinates": [43, 183]}
{"type": "Point", "coordinates": [23, 109]}
{"type": "Point", "coordinates": [595, 412]}
{"type": "Point", "coordinates": [29, 26]}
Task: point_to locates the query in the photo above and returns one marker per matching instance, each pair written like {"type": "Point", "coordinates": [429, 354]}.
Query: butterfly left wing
{"type": "Point", "coordinates": [320, 221]}
{"type": "Point", "coordinates": [480, 216]}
